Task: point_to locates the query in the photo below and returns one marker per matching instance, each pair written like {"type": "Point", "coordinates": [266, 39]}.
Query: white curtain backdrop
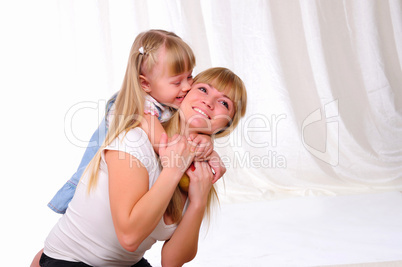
{"type": "Point", "coordinates": [324, 83]}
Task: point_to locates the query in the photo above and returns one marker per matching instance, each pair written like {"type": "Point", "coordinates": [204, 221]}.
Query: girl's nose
{"type": "Point", "coordinates": [186, 86]}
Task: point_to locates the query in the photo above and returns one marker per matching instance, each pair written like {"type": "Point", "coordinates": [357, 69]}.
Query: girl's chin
{"type": "Point", "coordinates": [175, 105]}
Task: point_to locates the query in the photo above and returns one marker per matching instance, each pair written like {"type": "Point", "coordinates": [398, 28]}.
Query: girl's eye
{"type": "Point", "coordinates": [202, 89]}
{"type": "Point", "coordinates": [223, 102]}
{"type": "Point", "coordinates": [177, 83]}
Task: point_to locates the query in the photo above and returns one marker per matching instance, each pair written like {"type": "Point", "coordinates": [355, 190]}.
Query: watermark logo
{"type": "Point", "coordinates": [330, 154]}
{"type": "Point", "coordinates": [75, 110]}
{"type": "Point", "coordinates": [257, 132]}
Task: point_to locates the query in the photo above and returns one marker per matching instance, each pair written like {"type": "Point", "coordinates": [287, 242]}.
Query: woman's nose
{"type": "Point", "coordinates": [208, 102]}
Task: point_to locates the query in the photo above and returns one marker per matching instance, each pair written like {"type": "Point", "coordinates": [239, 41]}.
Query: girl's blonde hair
{"type": "Point", "coordinates": [129, 105]}
{"type": "Point", "coordinates": [224, 80]}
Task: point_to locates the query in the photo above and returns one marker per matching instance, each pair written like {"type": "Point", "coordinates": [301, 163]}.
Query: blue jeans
{"type": "Point", "coordinates": [63, 197]}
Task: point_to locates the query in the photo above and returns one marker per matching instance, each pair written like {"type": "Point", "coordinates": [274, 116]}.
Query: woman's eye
{"type": "Point", "coordinates": [225, 104]}
{"type": "Point", "coordinates": [203, 89]}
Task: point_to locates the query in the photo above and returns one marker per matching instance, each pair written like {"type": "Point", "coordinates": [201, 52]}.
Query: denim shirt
{"type": "Point", "coordinates": [60, 201]}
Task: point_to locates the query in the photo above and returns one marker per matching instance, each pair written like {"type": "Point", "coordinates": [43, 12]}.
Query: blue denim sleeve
{"type": "Point", "coordinates": [59, 202]}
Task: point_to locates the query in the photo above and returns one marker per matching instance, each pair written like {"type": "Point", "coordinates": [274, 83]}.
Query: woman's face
{"type": "Point", "coordinates": [206, 110]}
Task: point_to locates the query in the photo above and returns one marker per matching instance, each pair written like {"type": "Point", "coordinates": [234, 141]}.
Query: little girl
{"type": "Point", "coordinates": [161, 64]}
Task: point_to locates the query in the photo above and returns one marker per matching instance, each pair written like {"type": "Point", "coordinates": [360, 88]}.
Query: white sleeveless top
{"type": "Point", "coordinates": [85, 233]}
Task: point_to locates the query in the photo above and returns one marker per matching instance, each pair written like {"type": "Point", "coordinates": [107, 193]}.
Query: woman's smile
{"type": "Point", "coordinates": [202, 112]}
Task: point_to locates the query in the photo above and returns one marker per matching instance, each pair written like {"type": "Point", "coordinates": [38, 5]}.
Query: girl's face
{"type": "Point", "coordinates": [166, 88]}
{"type": "Point", "coordinates": [206, 110]}
{"type": "Point", "coordinates": [171, 90]}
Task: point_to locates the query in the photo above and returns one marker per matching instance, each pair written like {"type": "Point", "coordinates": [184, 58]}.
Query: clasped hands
{"type": "Point", "coordinates": [180, 151]}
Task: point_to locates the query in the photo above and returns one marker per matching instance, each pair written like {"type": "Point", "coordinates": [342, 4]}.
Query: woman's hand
{"type": "Point", "coordinates": [201, 178]}
{"type": "Point", "coordinates": [176, 152]}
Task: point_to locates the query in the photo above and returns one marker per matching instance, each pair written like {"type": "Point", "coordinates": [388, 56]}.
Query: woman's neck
{"type": "Point", "coordinates": [186, 129]}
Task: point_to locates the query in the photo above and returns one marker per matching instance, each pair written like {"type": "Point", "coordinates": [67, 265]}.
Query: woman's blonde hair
{"type": "Point", "coordinates": [129, 105]}
{"type": "Point", "coordinates": [224, 80]}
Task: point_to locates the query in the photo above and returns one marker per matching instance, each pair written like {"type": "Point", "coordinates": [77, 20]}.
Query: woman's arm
{"type": "Point", "coordinates": [182, 246]}
{"type": "Point", "coordinates": [130, 198]}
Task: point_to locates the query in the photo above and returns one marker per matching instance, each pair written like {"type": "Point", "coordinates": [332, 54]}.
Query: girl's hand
{"type": "Point", "coordinates": [204, 146]}
{"type": "Point", "coordinates": [217, 166]}
{"type": "Point", "coordinates": [201, 178]}
{"type": "Point", "coordinates": [176, 152]}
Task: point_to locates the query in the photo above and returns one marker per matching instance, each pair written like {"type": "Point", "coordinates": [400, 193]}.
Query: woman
{"type": "Point", "coordinates": [128, 199]}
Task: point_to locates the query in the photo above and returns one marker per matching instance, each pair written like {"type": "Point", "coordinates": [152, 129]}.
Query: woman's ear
{"type": "Point", "coordinates": [145, 84]}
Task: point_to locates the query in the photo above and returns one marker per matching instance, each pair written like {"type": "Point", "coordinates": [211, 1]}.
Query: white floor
{"type": "Point", "coordinates": [306, 231]}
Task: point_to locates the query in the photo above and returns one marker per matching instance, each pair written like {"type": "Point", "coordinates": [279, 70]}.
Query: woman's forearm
{"type": "Point", "coordinates": [152, 206]}
{"type": "Point", "coordinates": [182, 246]}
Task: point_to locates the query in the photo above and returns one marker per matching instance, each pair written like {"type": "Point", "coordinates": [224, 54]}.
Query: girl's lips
{"type": "Point", "coordinates": [180, 98]}
{"type": "Point", "coordinates": [200, 111]}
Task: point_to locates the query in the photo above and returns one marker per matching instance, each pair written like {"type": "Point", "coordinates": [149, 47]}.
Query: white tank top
{"type": "Point", "coordinates": [85, 233]}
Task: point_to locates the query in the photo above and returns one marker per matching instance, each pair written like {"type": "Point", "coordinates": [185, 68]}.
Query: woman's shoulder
{"type": "Point", "coordinates": [136, 134]}
{"type": "Point", "coordinates": [135, 138]}
{"type": "Point", "coordinates": [135, 142]}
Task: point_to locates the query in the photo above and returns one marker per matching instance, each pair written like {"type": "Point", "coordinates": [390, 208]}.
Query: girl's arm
{"type": "Point", "coordinates": [217, 165]}
{"type": "Point", "coordinates": [205, 146]}
{"type": "Point", "coordinates": [205, 152]}
{"type": "Point", "coordinates": [182, 246]}
{"type": "Point", "coordinates": [129, 196]}
{"type": "Point", "coordinates": [154, 129]}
